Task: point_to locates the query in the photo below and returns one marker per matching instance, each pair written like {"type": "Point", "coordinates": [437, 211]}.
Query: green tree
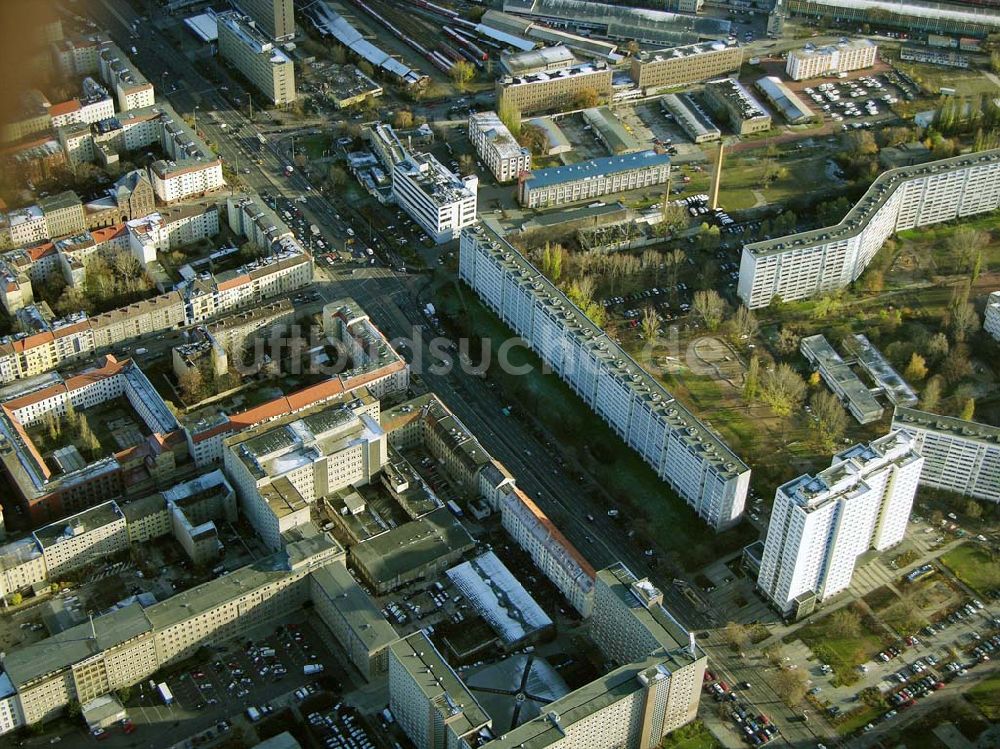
{"type": "Point", "coordinates": [930, 398]}
{"type": "Point", "coordinates": [510, 116]}
{"type": "Point", "coordinates": [788, 341]}
{"type": "Point", "coordinates": [916, 370]}
{"type": "Point", "coordinates": [973, 509]}
{"type": "Point", "coordinates": [16, 598]}
{"type": "Point", "coordinates": [829, 419]}
{"type": "Point", "coordinates": [751, 382]}
{"type": "Point", "coordinates": [782, 389]}
{"type": "Point", "coordinates": [586, 98]}
{"type": "Point", "coordinates": [462, 73]}
{"type": "Point", "coordinates": [968, 409]}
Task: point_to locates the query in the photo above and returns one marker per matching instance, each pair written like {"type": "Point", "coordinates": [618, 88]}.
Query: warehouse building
{"type": "Point", "coordinates": [692, 119]}
{"type": "Point", "coordinates": [728, 98]}
{"type": "Point", "coordinates": [784, 100]}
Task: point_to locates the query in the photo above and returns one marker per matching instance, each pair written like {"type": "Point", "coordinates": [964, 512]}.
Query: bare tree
{"type": "Point", "coordinates": [829, 419]}
{"type": "Point", "coordinates": [965, 244]}
{"type": "Point", "coordinates": [737, 635]}
{"type": "Point", "coordinates": [790, 685]}
{"type": "Point", "coordinates": [650, 324]}
{"type": "Point", "coordinates": [745, 324]}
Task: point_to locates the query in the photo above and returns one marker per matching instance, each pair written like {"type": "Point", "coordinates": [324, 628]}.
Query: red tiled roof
{"type": "Point", "coordinates": [554, 532]}
{"type": "Point", "coordinates": [64, 107]}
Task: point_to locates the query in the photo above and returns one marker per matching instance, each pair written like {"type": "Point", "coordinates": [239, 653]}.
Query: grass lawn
{"type": "Point", "coordinates": [986, 696]}
{"type": "Point", "coordinates": [742, 176]}
{"type": "Point", "coordinates": [853, 721]}
{"type": "Point", "coordinates": [661, 515]}
{"type": "Point", "coordinates": [692, 736]}
{"type": "Point", "coordinates": [901, 615]}
{"type": "Point", "coordinates": [972, 565]}
{"type": "Point", "coordinates": [845, 654]}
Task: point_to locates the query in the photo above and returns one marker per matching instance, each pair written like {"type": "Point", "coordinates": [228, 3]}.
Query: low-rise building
{"type": "Point", "coordinates": [349, 87]}
{"type": "Point", "coordinates": [729, 98]}
{"type": "Point", "coordinates": [692, 119]}
{"type": "Point", "coordinates": [514, 63]}
{"type": "Point", "coordinates": [256, 57]}
{"type": "Point", "coordinates": [439, 201]}
{"type": "Point", "coordinates": [498, 149]}
{"type": "Point", "coordinates": [959, 456]}
{"type": "Point", "coordinates": [784, 100]}
{"type": "Point", "coordinates": [682, 66]}
{"type": "Point", "coordinates": [556, 90]}
{"type": "Point", "coordinates": [587, 180]}
{"type": "Point", "coordinates": [841, 379]}
{"type": "Point", "coordinates": [847, 55]}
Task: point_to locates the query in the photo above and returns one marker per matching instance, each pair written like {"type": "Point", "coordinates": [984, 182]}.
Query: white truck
{"type": "Point", "coordinates": [165, 693]}
{"type": "Point", "coordinates": [312, 668]}
{"type": "Point", "coordinates": [253, 714]}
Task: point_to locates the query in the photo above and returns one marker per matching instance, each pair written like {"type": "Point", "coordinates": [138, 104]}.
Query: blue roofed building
{"type": "Point", "coordinates": [587, 180]}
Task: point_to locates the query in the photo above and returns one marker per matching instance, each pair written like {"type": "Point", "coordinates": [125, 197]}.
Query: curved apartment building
{"type": "Point", "coordinates": [802, 265]}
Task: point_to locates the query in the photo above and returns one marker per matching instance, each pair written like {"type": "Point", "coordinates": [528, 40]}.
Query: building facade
{"type": "Point", "coordinates": [586, 180]}
{"type": "Point", "coordinates": [812, 62]}
{"type": "Point", "coordinates": [503, 155]}
{"type": "Point", "coordinates": [991, 319]}
{"type": "Point", "coordinates": [556, 90]}
{"type": "Point", "coordinates": [275, 17]}
{"type": "Point", "coordinates": [820, 525]}
{"type": "Point", "coordinates": [802, 265]}
{"type": "Point", "coordinates": [257, 58]}
{"type": "Point", "coordinates": [729, 98]}
{"type": "Point", "coordinates": [691, 459]}
{"type": "Point", "coordinates": [682, 66]}
{"type": "Point", "coordinates": [959, 456]}
{"type": "Point", "coordinates": [437, 199]}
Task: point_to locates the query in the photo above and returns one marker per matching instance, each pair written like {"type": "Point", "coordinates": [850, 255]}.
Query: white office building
{"type": "Point", "coordinates": [436, 198]}
{"type": "Point", "coordinates": [824, 260]}
{"type": "Point", "coordinates": [991, 320]}
{"type": "Point", "coordinates": [959, 456]}
{"type": "Point", "coordinates": [257, 57]}
{"type": "Point", "coordinates": [698, 465]}
{"type": "Point", "coordinates": [503, 155]}
{"type": "Point", "coordinates": [812, 61]}
{"type": "Point", "coordinates": [821, 524]}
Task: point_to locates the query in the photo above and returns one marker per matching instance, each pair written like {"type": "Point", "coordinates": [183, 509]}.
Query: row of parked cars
{"type": "Point", "coordinates": [756, 728]}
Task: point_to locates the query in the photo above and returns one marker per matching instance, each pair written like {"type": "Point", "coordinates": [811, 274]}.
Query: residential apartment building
{"type": "Point", "coordinates": [280, 468]}
{"type": "Point", "coordinates": [275, 17]}
{"type": "Point", "coordinates": [684, 453]}
{"type": "Point", "coordinates": [812, 61]}
{"type": "Point", "coordinates": [630, 621]}
{"type": "Point", "coordinates": [824, 260]}
{"type": "Point", "coordinates": [428, 699]}
{"type": "Point", "coordinates": [129, 644]}
{"type": "Point", "coordinates": [353, 619]}
{"type": "Point", "coordinates": [130, 87]}
{"type": "Point", "coordinates": [77, 56]}
{"type": "Point", "coordinates": [586, 180]}
{"type": "Point", "coordinates": [66, 482]}
{"type": "Point", "coordinates": [555, 90]}
{"type": "Point", "coordinates": [729, 98]}
{"type": "Point", "coordinates": [251, 218]}
{"type": "Point", "coordinates": [162, 231]}
{"type": "Point", "coordinates": [821, 524]}
{"type": "Point", "coordinates": [498, 149]}
{"type": "Point", "coordinates": [959, 456]}
{"type": "Point", "coordinates": [256, 57]}
{"type": "Point", "coordinates": [682, 66]}
{"type": "Point", "coordinates": [63, 214]}
{"type": "Point", "coordinates": [440, 201]}
{"type": "Point", "coordinates": [27, 226]}
{"type": "Point", "coordinates": [74, 542]}
{"type": "Point", "coordinates": [991, 319]}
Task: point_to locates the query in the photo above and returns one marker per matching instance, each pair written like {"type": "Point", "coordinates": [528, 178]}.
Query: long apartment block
{"type": "Point", "coordinates": [814, 262]}
{"type": "Point", "coordinates": [959, 456]}
{"type": "Point", "coordinates": [698, 465]}
{"type": "Point", "coordinates": [586, 180]}
{"type": "Point", "coordinates": [821, 524]}
{"type": "Point", "coordinates": [257, 57]}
